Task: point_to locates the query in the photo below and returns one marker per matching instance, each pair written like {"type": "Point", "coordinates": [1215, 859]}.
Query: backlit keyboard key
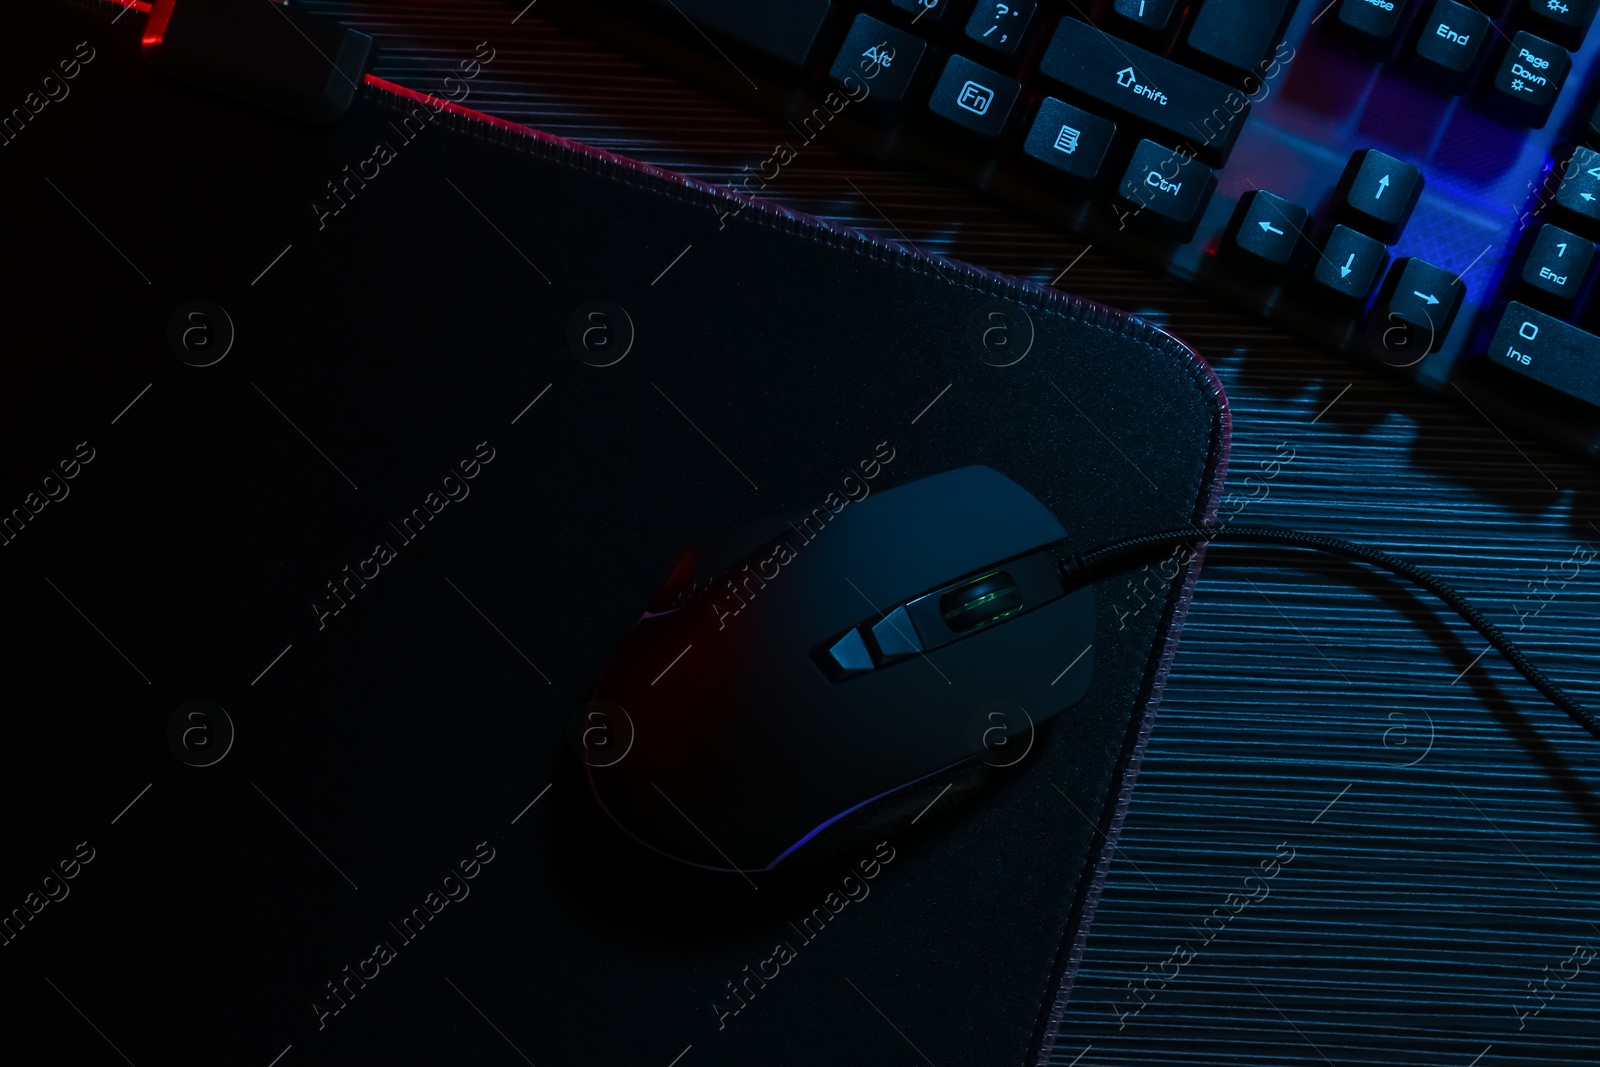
{"type": "Point", "coordinates": [1452, 36]}
{"type": "Point", "coordinates": [1165, 191]}
{"type": "Point", "coordinates": [1236, 35]}
{"type": "Point", "coordinates": [1145, 88]}
{"type": "Point", "coordinates": [1564, 22]}
{"type": "Point", "coordinates": [1556, 265]}
{"type": "Point", "coordinates": [926, 14]}
{"type": "Point", "coordinates": [974, 98]}
{"type": "Point", "coordinates": [1347, 266]}
{"type": "Point", "coordinates": [1001, 27]}
{"type": "Point", "coordinates": [1542, 349]}
{"type": "Point", "coordinates": [1528, 80]}
{"type": "Point", "coordinates": [1377, 192]}
{"type": "Point", "coordinates": [1068, 143]}
{"type": "Point", "coordinates": [1370, 25]}
{"type": "Point", "coordinates": [881, 58]}
{"type": "Point", "coordinates": [1423, 298]}
{"type": "Point", "coordinates": [1265, 231]}
{"type": "Point", "coordinates": [1578, 195]}
{"type": "Point", "coordinates": [1151, 14]}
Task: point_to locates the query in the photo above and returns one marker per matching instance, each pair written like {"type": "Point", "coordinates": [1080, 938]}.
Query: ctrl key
{"type": "Point", "coordinates": [1164, 190]}
{"type": "Point", "coordinates": [1542, 349]}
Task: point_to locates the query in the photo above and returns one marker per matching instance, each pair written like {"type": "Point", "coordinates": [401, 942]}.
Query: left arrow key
{"type": "Point", "coordinates": [1577, 194]}
{"type": "Point", "coordinates": [1265, 233]}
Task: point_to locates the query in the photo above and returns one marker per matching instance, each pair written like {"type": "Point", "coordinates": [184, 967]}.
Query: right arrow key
{"type": "Point", "coordinates": [1421, 298]}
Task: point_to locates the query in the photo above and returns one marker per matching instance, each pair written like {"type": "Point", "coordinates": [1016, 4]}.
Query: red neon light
{"type": "Point", "coordinates": [156, 26]}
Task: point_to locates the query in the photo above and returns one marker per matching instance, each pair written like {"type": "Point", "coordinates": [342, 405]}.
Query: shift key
{"type": "Point", "coordinates": [1145, 88]}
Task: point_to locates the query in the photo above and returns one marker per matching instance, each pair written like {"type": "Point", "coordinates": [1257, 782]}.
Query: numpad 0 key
{"type": "Point", "coordinates": [1380, 142]}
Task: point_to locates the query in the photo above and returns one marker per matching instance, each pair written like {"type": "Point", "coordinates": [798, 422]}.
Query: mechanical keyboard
{"type": "Point", "coordinates": [1410, 182]}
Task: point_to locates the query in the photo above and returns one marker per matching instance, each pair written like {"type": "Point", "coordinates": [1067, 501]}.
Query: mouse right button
{"type": "Point", "coordinates": [896, 636]}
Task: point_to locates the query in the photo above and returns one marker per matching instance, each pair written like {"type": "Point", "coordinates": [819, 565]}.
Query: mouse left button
{"type": "Point", "coordinates": [850, 655]}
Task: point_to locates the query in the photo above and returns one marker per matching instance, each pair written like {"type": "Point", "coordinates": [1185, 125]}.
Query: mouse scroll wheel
{"type": "Point", "coordinates": [981, 601]}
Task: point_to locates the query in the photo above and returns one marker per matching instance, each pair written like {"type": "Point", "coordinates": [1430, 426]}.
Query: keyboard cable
{"type": "Point", "coordinates": [1081, 568]}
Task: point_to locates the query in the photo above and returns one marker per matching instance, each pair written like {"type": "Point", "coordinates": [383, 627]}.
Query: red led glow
{"type": "Point", "coordinates": [160, 12]}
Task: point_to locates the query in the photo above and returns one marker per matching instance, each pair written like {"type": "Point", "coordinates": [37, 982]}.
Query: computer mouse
{"type": "Point", "coordinates": [818, 673]}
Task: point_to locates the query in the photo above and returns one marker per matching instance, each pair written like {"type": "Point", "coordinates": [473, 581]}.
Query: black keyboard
{"type": "Point", "coordinates": [1408, 181]}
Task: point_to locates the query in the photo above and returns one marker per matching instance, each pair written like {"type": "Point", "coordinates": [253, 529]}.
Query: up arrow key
{"type": "Point", "coordinates": [1377, 193]}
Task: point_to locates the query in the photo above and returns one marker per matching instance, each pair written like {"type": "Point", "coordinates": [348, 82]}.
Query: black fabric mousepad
{"type": "Point", "coordinates": [339, 462]}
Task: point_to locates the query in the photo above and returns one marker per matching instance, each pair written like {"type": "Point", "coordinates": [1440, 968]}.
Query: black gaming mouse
{"type": "Point", "coordinates": [808, 676]}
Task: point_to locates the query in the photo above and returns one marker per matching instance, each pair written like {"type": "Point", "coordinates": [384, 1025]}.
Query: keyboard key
{"type": "Point", "coordinates": [1423, 297]}
{"type": "Point", "coordinates": [1347, 267]}
{"type": "Point", "coordinates": [1563, 22]}
{"type": "Point", "coordinates": [1578, 195]}
{"type": "Point", "coordinates": [1165, 191]}
{"type": "Point", "coordinates": [1591, 129]}
{"type": "Point", "coordinates": [975, 98]}
{"type": "Point", "coordinates": [926, 14]}
{"type": "Point", "coordinates": [1151, 14]}
{"type": "Point", "coordinates": [1370, 25]}
{"type": "Point", "coordinates": [1000, 27]}
{"type": "Point", "coordinates": [1377, 192]}
{"type": "Point", "coordinates": [881, 57]}
{"type": "Point", "coordinates": [1452, 36]}
{"type": "Point", "coordinates": [1541, 348]}
{"type": "Point", "coordinates": [1266, 230]}
{"type": "Point", "coordinates": [1237, 34]}
{"type": "Point", "coordinates": [1070, 143]}
{"type": "Point", "coordinates": [785, 30]}
{"type": "Point", "coordinates": [1145, 88]}
{"type": "Point", "coordinates": [1556, 265]}
{"type": "Point", "coordinates": [1528, 80]}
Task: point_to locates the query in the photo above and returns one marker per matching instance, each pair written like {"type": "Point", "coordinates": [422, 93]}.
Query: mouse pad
{"type": "Point", "coordinates": [340, 462]}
